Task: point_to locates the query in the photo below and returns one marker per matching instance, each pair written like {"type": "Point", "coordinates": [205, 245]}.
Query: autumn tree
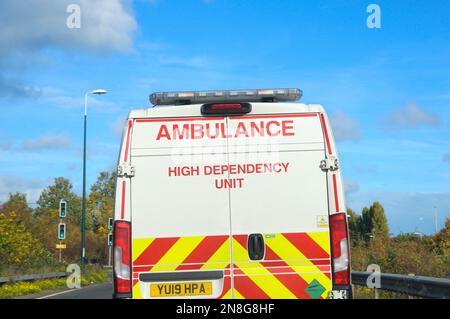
{"type": "Point", "coordinates": [48, 202]}
{"type": "Point", "coordinates": [379, 224]}
{"type": "Point", "coordinates": [369, 235]}
{"type": "Point", "coordinates": [17, 204]}
{"type": "Point", "coordinates": [101, 200]}
{"type": "Point", "coordinates": [19, 250]}
{"type": "Point", "coordinates": [373, 222]}
{"type": "Point", "coordinates": [354, 223]}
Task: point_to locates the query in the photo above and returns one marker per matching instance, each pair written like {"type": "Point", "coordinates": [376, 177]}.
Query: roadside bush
{"type": "Point", "coordinates": [93, 275]}
{"type": "Point", "coordinates": [11, 290]}
{"type": "Point", "coordinates": [19, 250]}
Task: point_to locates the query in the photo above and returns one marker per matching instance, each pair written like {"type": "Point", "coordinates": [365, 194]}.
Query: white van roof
{"type": "Point", "coordinates": [194, 109]}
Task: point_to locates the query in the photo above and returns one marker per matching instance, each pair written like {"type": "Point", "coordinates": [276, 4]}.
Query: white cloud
{"type": "Point", "coordinates": [344, 127]}
{"type": "Point", "coordinates": [32, 187]}
{"type": "Point", "coordinates": [13, 88]}
{"type": "Point", "coordinates": [409, 117]}
{"type": "Point", "coordinates": [29, 27]}
{"type": "Point", "coordinates": [350, 186]}
{"type": "Point", "coordinates": [47, 142]}
{"type": "Point", "coordinates": [60, 99]}
{"type": "Point", "coordinates": [406, 211]}
{"type": "Point", "coordinates": [106, 25]}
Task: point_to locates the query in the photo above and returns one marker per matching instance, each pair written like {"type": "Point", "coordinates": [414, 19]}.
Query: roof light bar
{"type": "Point", "coordinates": [227, 96]}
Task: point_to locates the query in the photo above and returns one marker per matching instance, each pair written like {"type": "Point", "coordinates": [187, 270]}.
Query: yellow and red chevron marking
{"type": "Point", "coordinates": [292, 261]}
{"type": "Point", "coordinates": [181, 253]}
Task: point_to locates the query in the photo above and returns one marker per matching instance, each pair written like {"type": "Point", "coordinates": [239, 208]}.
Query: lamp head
{"type": "Point", "coordinates": [99, 91]}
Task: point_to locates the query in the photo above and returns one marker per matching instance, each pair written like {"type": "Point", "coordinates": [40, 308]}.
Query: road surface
{"type": "Point", "coordinates": [100, 291]}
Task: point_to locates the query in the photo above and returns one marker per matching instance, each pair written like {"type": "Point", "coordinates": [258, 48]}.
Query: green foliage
{"type": "Point", "coordinates": [11, 290]}
{"type": "Point", "coordinates": [372, 223]}
{"type": "Point", "coordinates": [378, 221]}
{"type": "Point", "coordinates": [17, 205]}
{"type": "Point", "coordinates": [403, 254]}
{"type": "Point", "coordinates": [94, 276]}
{"type": "Point", "coordinates": [18, 248]}
{"type": "Point", "coordinates": [28, 237]}
{"type": "Point", "coordinates": [101, 201]}
{"type": "Point", "coordinates": [48, 202]}
{"type": "Point", "coordinates": [354, 221]}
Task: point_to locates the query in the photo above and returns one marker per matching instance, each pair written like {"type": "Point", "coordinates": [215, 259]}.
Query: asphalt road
{"type": "Point", "coordinates": [100, 291]}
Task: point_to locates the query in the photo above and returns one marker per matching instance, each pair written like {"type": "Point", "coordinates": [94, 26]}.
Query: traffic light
{"type": "Point", "coordinates": [62, 231]}
{"type": "Point", "coordinates": [62, 208]}
{"type": "Point", "coordinates": [110, 223]}
{"type": "Point", "coordinates": [110, 239]}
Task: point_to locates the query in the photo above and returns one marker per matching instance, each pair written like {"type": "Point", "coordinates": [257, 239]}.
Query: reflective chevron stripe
{"type": "Point", "coordinates": [288, 249]}
{"type": "Point", "coordinates": [291, 263]}
{"type": "Point", "coordinates": [211, 250]}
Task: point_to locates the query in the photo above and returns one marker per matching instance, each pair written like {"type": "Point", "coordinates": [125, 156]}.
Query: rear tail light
{"type": "Point", "coordinates": [226, 108]}
{"type": "Point", "coordinates": [122, 257]}
{"type": "Point", "coordinates": [339, 249]}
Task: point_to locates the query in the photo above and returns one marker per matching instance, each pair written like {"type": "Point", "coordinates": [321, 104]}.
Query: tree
{"type": "Point", "coordinates": [365, 227]}
{"type": "Point", "coordinates": [379, 225]}
{"type": "Point", "coordinates": [17, 204]}
{"type": "Point", "coordinates": [440, 242]}
{"type": "Point", "coordinates": [354, 225]}
{"type": "Point", "coordinates": [101, 200]}
{"type": "Point", "coordinates": [50, 197]}
{"type": "Point", "coordinates": [412, 254]}
{"type": "Point", "coordinates": [19, 250]}
{"type": "Point", "coordinates": [374, 222]}
{"type": "Point", "coordinates": [99, 206]}
{"type": "Point", "coordinates": [375, 232]}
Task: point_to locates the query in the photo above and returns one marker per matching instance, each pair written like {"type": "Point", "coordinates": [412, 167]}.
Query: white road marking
{"type": "Point", "coordinates": [60, 293]}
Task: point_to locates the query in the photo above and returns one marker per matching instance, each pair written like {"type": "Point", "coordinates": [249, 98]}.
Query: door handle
{"type": "Point", "coordinates": [255, 246]}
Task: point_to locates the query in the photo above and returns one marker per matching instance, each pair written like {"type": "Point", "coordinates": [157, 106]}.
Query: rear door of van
{"type": "Point", "coordinates": [180, 223]}
{"type": "Point", "coordinates": [243, 215]}
{"type": "Point", "coordinates": [279, 212]}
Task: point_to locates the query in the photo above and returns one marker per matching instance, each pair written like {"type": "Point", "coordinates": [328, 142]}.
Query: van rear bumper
{"type": "Point", "coordinates": [121, 296]}
{"type": "Point", "coordinates": [181, 275]}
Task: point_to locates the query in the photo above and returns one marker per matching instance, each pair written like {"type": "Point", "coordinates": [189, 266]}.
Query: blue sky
{"type": "Point", "coordinates": [386, 90]}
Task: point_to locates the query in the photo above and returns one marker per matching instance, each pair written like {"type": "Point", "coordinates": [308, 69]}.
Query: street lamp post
{"type": "Point", "coordinates": [83, 207]}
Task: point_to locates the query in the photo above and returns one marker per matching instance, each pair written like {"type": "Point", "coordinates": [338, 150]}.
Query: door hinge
{"type": "Point", "coordinates": [329, 164]}
{"type": "Point", "coordinates": [125, 170]}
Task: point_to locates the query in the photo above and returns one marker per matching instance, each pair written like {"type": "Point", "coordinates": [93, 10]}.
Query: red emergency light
{"type": "Point", "coordinates": [226, 108]}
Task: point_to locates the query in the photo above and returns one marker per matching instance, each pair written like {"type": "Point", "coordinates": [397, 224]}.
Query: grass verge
{"type": "Point", "coordinates": [93, 275]}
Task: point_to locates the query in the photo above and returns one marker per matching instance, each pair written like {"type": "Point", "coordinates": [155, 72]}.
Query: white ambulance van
{"type": "Point", "coordinates": [230, 194]}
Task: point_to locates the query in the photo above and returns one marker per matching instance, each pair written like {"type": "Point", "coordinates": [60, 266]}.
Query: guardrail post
{"type": "Point", "coordinates": [409, 296]}
{"type": "Point", "coordinates": [376, 293]}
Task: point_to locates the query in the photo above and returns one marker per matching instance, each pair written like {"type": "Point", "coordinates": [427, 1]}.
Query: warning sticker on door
{"type": "Point", "coordinates": [322, 221]}
{"type": "Point", "coordinates": [315, 289]}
